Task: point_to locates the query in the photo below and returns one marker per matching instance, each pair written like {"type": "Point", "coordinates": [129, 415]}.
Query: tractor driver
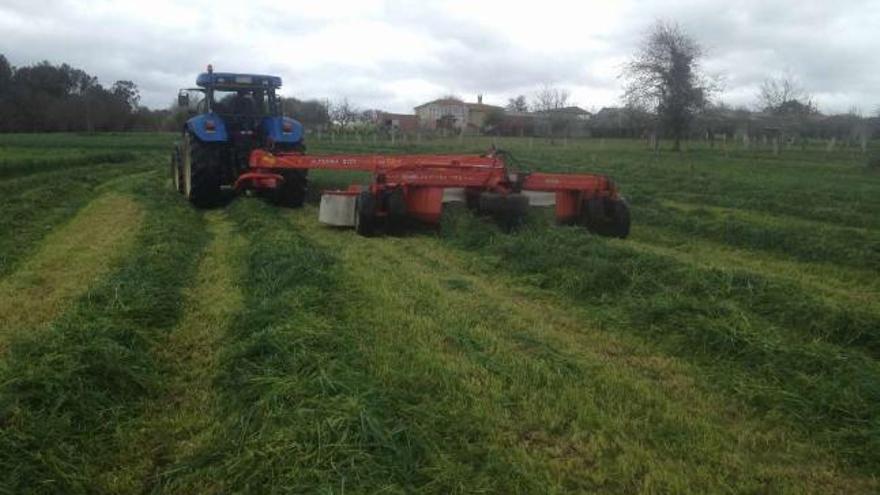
{"type": "Point", "coordinates": [243, 104]}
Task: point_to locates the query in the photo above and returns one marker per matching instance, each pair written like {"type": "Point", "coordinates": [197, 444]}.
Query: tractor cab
{"type": "Point", "coordinates": [240, 108]}
{"type": "Point", "coordinates": [235, 114]}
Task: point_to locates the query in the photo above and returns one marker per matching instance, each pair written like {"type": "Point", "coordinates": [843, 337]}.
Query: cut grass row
{"type": "Point", "coordinates": [69, 393]}
{"type": "Point", "coordinates": [794, 356]}
{"type": "Point", "coordinates": [34, 205]}
{"type": "Point", "coordinates": [70, 261]}
{"type": "Point", "coordinates": [293, 408]}
{"type": "Point", "coordinates": [105, 141]}
{"type": "Point", "coordinates": [803, 240]}
{"type": "Point", "coordinates": [851, 285]}
{"type": "Point", "coordinates": [12, 166]}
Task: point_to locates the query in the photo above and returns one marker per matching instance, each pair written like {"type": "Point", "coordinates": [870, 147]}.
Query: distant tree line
{"type": "Point", "coordinates": [666, 97]}
{"type": "Point", "coordinates": [45, 97]}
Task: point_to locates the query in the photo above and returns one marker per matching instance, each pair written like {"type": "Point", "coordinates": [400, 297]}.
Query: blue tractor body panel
{"type": "Point", "coordinates": [199, 125]}
{"type": "Point", "coordinates": [275, 129]}
{"type": "Point", "coordinates": [229, 80]}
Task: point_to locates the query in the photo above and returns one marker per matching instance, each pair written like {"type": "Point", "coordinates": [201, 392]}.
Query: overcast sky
{"type": "Point", "coordinates": [394, 55]}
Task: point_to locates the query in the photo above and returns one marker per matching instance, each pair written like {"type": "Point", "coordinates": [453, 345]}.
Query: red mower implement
{"type": "Point", "coordinates": [415, 187]}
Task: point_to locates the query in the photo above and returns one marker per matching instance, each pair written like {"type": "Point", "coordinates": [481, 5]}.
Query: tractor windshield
{"type": "Point", "coordinates": [242, 102]}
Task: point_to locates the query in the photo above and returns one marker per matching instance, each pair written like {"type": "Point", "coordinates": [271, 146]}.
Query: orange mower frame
{"type": "Point", "coordinates": [416, 187]}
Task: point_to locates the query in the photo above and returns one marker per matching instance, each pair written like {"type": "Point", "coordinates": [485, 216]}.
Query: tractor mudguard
{"type": "Point", "coordinates": [209, 128]}
{"type": "Point", "coordinates": [282, 129]}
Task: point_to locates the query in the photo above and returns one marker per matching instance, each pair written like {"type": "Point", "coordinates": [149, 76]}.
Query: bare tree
{"type": "Point", "coordinates": [549, 98]}
{"type": "Point", "coordinates": [518, 104]}
{"type": "Point", "coordinates": [665, 75]}
{"type": "Point", "coordinates": [781, 93]}
{"type": "Point", "coordinates": [343, 113]}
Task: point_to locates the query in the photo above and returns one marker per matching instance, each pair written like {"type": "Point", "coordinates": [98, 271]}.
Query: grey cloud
{"type": "Point", "coordinates": [829, 46]}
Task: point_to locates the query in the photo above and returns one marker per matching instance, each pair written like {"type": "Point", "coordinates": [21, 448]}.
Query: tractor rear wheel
{"type": "Point", "coordinates": [201, 174]}
{"type": "Point", "coordinates": [365, 214]}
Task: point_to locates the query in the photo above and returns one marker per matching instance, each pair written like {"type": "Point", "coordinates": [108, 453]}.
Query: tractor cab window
{"type": "Point", "coordinates": [250, 103]}
{"type": "Point", "coordinates": [194, 100]}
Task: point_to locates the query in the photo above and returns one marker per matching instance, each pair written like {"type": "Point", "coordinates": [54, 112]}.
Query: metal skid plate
{"type": "Point", "coordinates": [454, 194]}
{"type": "Point", "coordinates": [337, 208]}
{"type": "Point", "coordinates": [539, 198]}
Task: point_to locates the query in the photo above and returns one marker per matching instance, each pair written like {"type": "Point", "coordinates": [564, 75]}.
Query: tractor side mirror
{"type": "Point", "coordinates": [183, 100]}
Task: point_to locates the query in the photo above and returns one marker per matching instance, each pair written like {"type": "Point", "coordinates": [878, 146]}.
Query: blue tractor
{"type": "Point", "coordinates": [235, 114]}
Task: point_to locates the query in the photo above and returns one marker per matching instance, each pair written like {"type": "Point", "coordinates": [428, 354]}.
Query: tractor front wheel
{"type": "Point", "coordinates": [201, 174]}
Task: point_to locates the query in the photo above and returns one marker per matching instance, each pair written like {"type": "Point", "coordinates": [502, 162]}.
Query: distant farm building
{"type": "Point", "coordinates": [398, 122]}
{"type": "Point", "coordinates": [456, 115]}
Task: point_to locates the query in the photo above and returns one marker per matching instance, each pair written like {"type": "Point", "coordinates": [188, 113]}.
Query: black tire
{"type": "Point", "coordinates": [619, 218]}
{"type": "Point", "coordinates": [596, 211]}
{"type": "Point", "coordinates": [614, 220]}
{"type": "Point", "coordinates": [508, 210]}
{"type": "Point", "coordinates": [518, 203]}
{"type": "Point", "coordinates": [472, 198]}
{"type": "Point", "coordinates": [490, 202]}
{"type": "Point", "coordinates": [365, 214]}
{"type": "Point", "coordinates": [515, 206]}
{"type": "Point", "coordinates": [395, 202]}
{"type": "Point", "coordinates": [201, 172]}
{"type": "Point", "coordinates": [292, 192]}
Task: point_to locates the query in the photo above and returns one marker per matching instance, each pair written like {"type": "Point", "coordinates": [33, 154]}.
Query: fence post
{"type": "Point", "coordinates": [831, 145]}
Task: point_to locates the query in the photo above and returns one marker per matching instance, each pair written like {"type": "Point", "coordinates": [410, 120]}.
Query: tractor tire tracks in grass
{"type": "Point", "coordinates": [73, 397]}
{"type": "Point", "coordinates": [34, 205]}
{"type": "Point", "coordinates": [177, 423]}
{"type": "Point", "coordinates": [71, 260]}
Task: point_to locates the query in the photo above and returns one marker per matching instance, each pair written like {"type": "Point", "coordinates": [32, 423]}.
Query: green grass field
{"type": "Point", "coordinates": [730, 345]}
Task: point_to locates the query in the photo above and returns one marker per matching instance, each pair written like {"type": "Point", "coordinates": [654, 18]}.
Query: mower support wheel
{"type": "Point", "coordinates": [365, 214]}
{"type": "Point", "coordinates": [396, 208]}
{"type": "Point", "coordinates": [608, 217]}
{"type": "Point", "coordinates": [619, 217]}
{"type": "Point", "coordinates": [292, 191]}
